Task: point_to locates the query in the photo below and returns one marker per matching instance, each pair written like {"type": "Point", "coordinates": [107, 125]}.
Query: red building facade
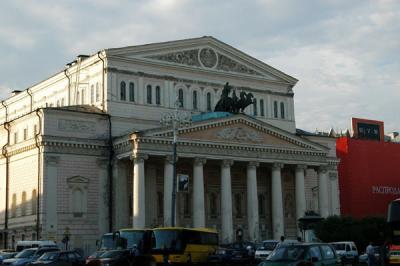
{"type": "Point", "coordinates": [369, 175]}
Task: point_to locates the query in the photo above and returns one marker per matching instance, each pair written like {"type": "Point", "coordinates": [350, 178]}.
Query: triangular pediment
{"type": "Point", "coordinates": [206, 53]}
{"type": "Point", "coordinates": [238, 130]}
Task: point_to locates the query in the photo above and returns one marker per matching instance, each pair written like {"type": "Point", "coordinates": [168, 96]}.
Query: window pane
{"type": "Point", "coordinates": [262, 107]}
{"type": "Point", "coordinates": [131, 92]}
{"type": "Point", "coordinates": [97, 92]}
{"type": "Point", "coordinates": [92, 94]}
{"type": "Point", "coordinates": [180, 97]}
{"type": "Point", "coordinates": [194, 99]}
{"type": "Point", "coordinates": [149, 92]}
{"type": "Point", "coordinates": [275, 109]}
{"type": "Point", "coordinates": [123, 91]}
{"type": "Point", "coordinates": [158, 95]}
{"type": "Point", "coordinates": [208, 101]}
{"type": "Point", "coordinates": [282, 110]}
{"type": "Point", "coordinates": [255, 106]}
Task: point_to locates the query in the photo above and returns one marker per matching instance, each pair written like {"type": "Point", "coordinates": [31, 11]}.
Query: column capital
{"type": "Point", "coordinates": [170, 159]}
{"type": "Point", "coordinates": [301, 167]}
{"type": "Point", "coordinates": [103, 163]}
{"type": "Point", "coordinates": [254, 164]}
{"type": "Point", "coordinates": [52, 160]}
{"type": "Point", "coordinates": [139, 158]}
{"type": "Point", "coordinates": [226, 163]}
{"type": "Point", "coordinates": [277, 165]}
{"type": "Point", "coordinates": [199, 161]}
{"type": "Point", "coordinates": [333, 176]}
{"type": "Point", "coordinates": [322, 169]}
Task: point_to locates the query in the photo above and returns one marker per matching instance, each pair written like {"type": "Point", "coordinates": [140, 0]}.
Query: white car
{"type": "Point", "coordinates": [266, 247]}
{"type": "Point", "coordinates": [347, 251]}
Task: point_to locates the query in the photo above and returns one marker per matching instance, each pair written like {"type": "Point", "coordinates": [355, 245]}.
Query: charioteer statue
{"type": "Point", "coordinates": [233, 104]}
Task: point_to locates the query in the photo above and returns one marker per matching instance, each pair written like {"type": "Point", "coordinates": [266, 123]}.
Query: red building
{"type": "Point", "coordinates": [369, 170]}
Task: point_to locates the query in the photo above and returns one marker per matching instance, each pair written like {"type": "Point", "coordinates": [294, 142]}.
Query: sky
{"type": "Point", "coordinates": [345, 54]}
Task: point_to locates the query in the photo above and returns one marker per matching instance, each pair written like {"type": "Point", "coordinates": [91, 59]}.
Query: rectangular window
{"type": "Point", "coordinates": [25, 133]}
{"type": "Point", "coordinates": [15, 137]}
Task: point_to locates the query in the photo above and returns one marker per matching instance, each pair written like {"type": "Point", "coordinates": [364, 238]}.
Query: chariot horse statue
{"type": "Point", "coordinates": [233, 104]}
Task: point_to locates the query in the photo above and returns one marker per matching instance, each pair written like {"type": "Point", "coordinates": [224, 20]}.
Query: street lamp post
{"type": "Point", "coordinates": [175, 119]}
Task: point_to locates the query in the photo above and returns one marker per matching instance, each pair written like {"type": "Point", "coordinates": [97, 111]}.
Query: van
{"type": "Point", "coordinates": [24, 244]}
{"type": "Point", "coordinates": [347, 251]}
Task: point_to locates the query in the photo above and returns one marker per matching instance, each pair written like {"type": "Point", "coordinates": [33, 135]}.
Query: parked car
{"type": "Point", "coordinates": [113, 258]}
{"type": "Point", "coordinates": [263, 250]}
{"type": "Point", "coordinates": [303, 254]}
{"type": "Point", "coordinates": [24, 244]}
{"type": "Point", "coordinates": [363, 258]}
{"type": "Point", "coordinates": [347, 252]}
{"type": "Point", "coordinates": [6, 255]}
{"type": "Point", "coordinates": [59, 258]}
{"type": "Point", "coordinates": [236, 253]}
{"type": "Point", "coordinates": [28, 255]}
{"type": "Point", "coordinates": [95, 255]}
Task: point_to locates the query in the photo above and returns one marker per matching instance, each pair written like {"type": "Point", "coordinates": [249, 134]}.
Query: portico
{"type": "Point", "coordinates": [234, 165]}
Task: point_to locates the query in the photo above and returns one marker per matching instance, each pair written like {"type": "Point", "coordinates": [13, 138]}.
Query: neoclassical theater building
{"type": "Point", "coordinates": [84, 153]}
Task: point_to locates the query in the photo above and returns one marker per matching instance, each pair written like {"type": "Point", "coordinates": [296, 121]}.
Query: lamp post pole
{"type": "Point", "coordinates": [175, 119]}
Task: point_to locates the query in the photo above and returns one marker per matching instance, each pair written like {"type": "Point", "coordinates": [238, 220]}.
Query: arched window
{"type": "Point", "coordinates": [194, 100]}
{"type": "Point", "coordinates": [149, 94]}
{"type": "Point", "coordinates": [282, 110]}
{"type": "Point", "coordinates": [209, 102]}
{"type": "Point", "coordinates": [262, 107]}
{"type": "Point", "coordinates": [180, 97]}
{"type": "Point", "coordinates": [97, 92]}
{"type": "Point", "coordinates": [158, 95]}
{"type": "Point", "coordinates": [275, 109]}
{"type": "Point", "coordinates": [14, 206]}
{"type": "Point", "coordinates": [23, 204]}
{"type": "Point", "coordinates": [122, 93]}
{"type": "Point", "coordinates": [92, 94]}
{"type": "Point", "coordinates": [131, 92]}
{"type": "Point", "coordinates": [83, 97]}
{"type": "Point", "coordinates": [255, 107]}
{"type": "Point", "coordinates": [34, 202]}
{"type": "Point", "coordinates": [78, 190]}
{"type": "Point", "coordinates": [78, 98]}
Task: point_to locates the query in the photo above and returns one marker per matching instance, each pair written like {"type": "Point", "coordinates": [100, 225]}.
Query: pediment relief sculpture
{"type": "Point", "coordinates": [206, 58]}
{"type": "Point", "coordinates": [239, 134]}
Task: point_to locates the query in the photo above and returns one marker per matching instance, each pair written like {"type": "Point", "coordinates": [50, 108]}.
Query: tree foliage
{"type": "Point", "coordinates": [361, 231]}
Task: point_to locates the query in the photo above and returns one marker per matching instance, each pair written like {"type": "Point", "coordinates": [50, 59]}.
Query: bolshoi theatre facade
{"type": "Point", "coordinates": [84, 153]}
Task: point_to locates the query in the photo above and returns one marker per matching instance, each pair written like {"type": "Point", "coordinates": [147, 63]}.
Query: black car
{"type": "Point", "coordinates": [28, 255]}
{"type": "Point", "coordinates": [60, 258]}
{"type": "Point", "coordinates": [113, 258]}
{"type": "Point", "coordinates": [238, 253]}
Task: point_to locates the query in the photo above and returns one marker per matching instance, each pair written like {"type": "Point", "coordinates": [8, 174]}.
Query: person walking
{"type": "Point", "coordinates": [371, 254]}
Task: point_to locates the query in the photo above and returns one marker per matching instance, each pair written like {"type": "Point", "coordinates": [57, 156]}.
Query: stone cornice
{"type": "Point", "coordinates": [192, 81]}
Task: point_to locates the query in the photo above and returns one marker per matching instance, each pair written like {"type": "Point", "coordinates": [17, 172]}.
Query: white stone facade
{"type": "Point", "coordinates": [63, 125]}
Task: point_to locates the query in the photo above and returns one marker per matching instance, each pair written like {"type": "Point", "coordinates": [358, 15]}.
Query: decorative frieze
{"type": "Point", "coordinates": [76, 126]}
{"type": "Point", "coordinates": [239, 134]}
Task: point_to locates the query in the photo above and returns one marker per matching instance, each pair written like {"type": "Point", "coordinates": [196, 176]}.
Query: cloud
{"type": "Point", "coordinates": [345, 53]}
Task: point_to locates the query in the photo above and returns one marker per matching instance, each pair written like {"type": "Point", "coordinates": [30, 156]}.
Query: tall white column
{"type": "Point", "coordinates": [139, 207]}
{"type": "Point", "coordinates": [103, 196]}
{"type": "Point", "coordinates": [300, 191]}
{"type": "Point", "coordinates": [168, 173]}
{"type": "Point", "coordinates": [323, 192]}
{"type": "Point", "coordinates": [252, 201]}
{"type": "Point", "coordinates": [333, 177]}
{"type": "Point", "coordinates": [51, 197]}
{"type": "Point", "coordinates": [198, 193]}
{"type": "Point", "coordinates": [226, 202]}
{"type": "Point", "coordinates": [278, 227]}
{"type": "Point", "coordinates": [120, 194]}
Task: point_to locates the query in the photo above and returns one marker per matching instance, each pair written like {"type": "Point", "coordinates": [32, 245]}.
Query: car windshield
{"type": "Point", "coordinates": [25, 253]}
{"type": "Point", "coordinates": [268, 246]}
{"type": "Point", "coordinates": [286, 253]}
{"type": "Point", "coordinates": [339, 246]}
{"type": "Point", "coordinates": [112, 254]}
{"type": "Point", "coordinates": [168, 239]}
{"type": "Point", "coordinates": [108, 242]}
{"type": "Point", "coordinates": [49, 256]}
{"type": "Point", "coordinates": [133, 237]}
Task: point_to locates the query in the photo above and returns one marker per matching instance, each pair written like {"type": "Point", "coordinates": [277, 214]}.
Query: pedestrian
{"type": "Point", "coordinates": [371, 254]}
{"type": "Point", "coordinates": [281, 241]}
